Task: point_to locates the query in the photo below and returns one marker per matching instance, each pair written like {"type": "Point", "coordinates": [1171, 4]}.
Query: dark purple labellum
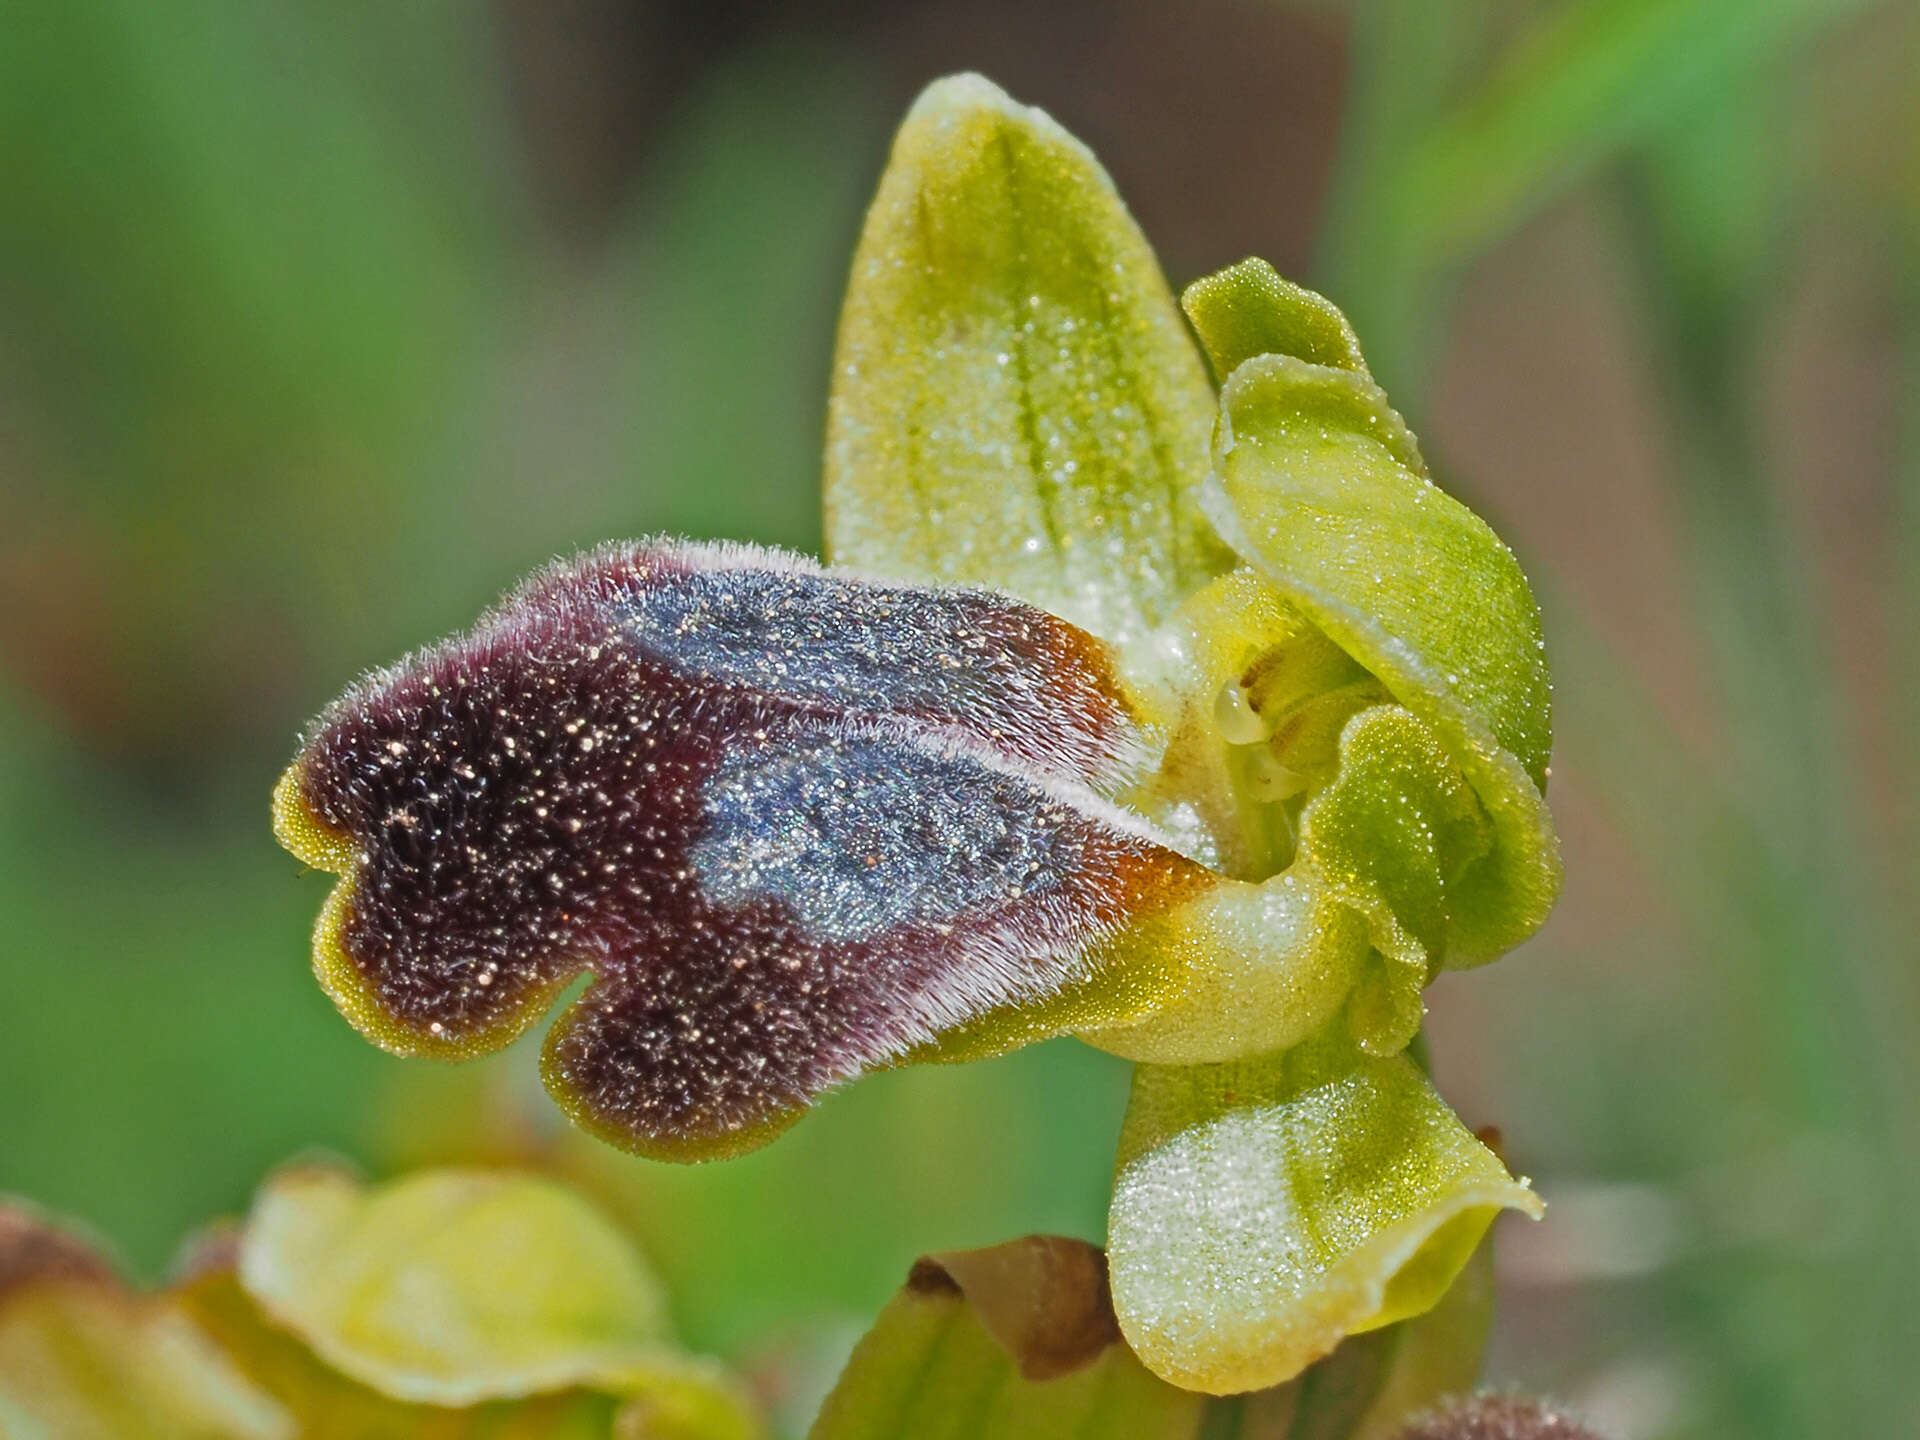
{"type": "Point", "coordinates": [794, 822]}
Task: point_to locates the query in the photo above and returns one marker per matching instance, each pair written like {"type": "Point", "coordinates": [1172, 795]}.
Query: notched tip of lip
{"type": "Point", "coordinates": [303, 834]}
{"type": "Point", "coordinates": [692, 1147]}
{"type": "Point", "coordinates": [347, 985]}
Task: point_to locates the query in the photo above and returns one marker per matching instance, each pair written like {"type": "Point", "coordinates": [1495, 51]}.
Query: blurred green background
{"type": "Point", "coordinates": [322, 322]}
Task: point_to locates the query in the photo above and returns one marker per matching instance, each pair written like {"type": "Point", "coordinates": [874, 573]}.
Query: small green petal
{"type": "Point", "coordinates": [1249, 309]}
{"type": "Point", "coordinates": [1015, 1342]}
{"type": "Point", "coordinates": [1016, 400]}
{"type": "Point", "coordinates": [454, 1287]}
{"type": "Point", "coordinates": [1385, 835]}
{"type": "Point", "coordinates": [1265, 1209]}
{"type": "Point", "coordinates": [1319, 484]}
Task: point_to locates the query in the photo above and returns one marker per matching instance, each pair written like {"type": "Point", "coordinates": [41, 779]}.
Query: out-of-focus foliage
{"type": "Point", "coordinates": [450, 1304]}
{"type": "Point", "coordinates": [299, 372]}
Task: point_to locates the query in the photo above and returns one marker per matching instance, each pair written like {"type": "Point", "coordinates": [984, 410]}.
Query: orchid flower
{"type": "Point", "coordinates": [1195, 722]}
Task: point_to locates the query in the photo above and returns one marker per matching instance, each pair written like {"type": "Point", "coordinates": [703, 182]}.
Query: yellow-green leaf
{"type": "Point", "coordinates": [1264, 1210]}
{"type": "Point", "coordinates": [1015, 399]}
{"type": "Point", "coordinates": [1020, 1340]}
{"type": "Point", "coordinates": [1319, 484]}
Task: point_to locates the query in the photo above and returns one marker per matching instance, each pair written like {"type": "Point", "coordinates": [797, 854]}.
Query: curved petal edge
{"type": "Point", "coordinates": [1264, 1210]}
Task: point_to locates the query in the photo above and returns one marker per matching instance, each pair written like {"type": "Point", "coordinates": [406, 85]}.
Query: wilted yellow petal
{"type": "Point", "coordinates": [326, 1403]}
{"type": "Point", "coordinates": [1015, 400]}
{"type": "Point", "coordinates": [453, 1287]}
{"type": "Point", "coordinates": [1265, 1209]}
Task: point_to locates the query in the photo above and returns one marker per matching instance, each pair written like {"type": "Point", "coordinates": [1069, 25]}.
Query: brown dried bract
{"type": "Point", "coordinates": [1044, 1299]}
{"type": "Point", "coordinates": [33, 1252]}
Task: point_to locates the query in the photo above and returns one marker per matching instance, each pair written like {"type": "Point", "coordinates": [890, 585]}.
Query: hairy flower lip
{"type": "Point", "coordinates": [322, 847]}
{"type": "Point", "coordinates": [347, 986]}
{"type": "Point", "coordinates": [644, 765]}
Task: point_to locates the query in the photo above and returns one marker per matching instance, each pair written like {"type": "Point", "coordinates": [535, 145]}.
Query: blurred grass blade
{"type": "Point", "coordinates": [1578, 85]}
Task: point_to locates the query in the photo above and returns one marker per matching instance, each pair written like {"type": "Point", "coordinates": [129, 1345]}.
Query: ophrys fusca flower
{"type": "Point", "coordinates": [1196, 722]}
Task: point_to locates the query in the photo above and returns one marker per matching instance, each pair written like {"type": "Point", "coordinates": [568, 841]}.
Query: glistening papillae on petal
{"type": "Point", "coordinates": [1015, 399]}
{"type": "Point", "coordinates": [1265, 1209]}
{"type": "Point", "coordinates": [795, 823]}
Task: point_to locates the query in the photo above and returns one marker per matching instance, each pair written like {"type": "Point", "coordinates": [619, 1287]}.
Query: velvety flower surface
{"type": "Point", "coordinates": [1196, 722]}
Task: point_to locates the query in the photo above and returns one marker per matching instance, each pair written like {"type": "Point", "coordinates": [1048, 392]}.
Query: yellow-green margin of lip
{"type": "Point", "coordinates": [313, 842]}
{"type": "Point", "coordinates": [338, 1265]}
{"type": "Point", "coordinates": [1127, 978]}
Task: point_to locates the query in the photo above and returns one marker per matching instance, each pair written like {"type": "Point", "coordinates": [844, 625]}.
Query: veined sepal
{"type": "Point", "coordinates": [1015, 399]}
